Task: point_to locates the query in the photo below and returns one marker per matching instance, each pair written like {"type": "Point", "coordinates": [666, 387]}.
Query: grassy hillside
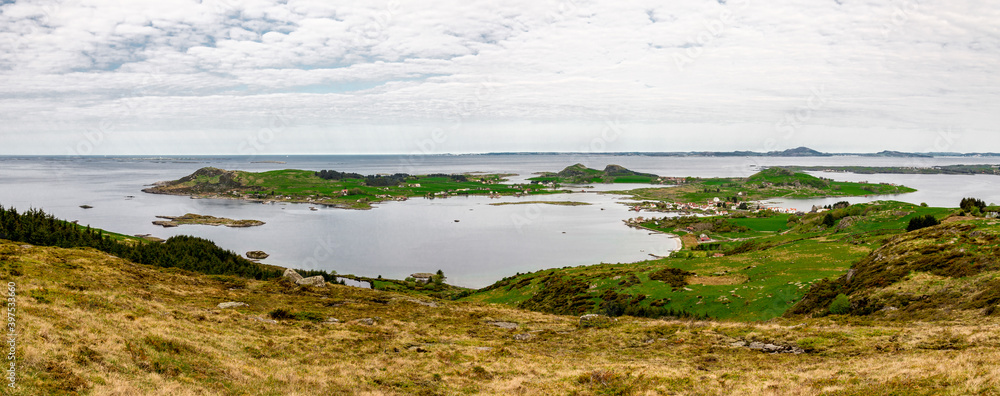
{"type": "Point", "coordinates": [354, 191]}
{"type": "Point", "coordinates": [90, 323]}
{"type": "Point", "coordinates": [769, 183]}
{"type": "Point", "coordinates": [753, 268]}
{"type": "Point", "coordinates": [923, 274]}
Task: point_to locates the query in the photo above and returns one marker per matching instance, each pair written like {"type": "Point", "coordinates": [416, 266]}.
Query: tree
{"type": "Point", "coordinates": [924, 221]}
{"type": "Point", "coordinates": [828, 220]}
{"type": "Point", "coordinates": [968, 204]}
{"type": "Point", "coordinates": [438, 278]}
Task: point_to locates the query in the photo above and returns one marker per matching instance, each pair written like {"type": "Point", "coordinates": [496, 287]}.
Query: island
{"type": "Point", "coordinates": [557, 203]}
{"type": "Point", "coordinates": [338, 189]}
{"type": "Point", "coordinates": [982, 169]}
{"type": "Point", "coordinates": [191, 218]}
{"type": "Point", "coordinates": [580, 174]}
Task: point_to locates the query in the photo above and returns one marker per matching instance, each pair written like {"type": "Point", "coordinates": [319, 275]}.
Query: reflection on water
{"type": "Point", "coordinates": [355, 283]}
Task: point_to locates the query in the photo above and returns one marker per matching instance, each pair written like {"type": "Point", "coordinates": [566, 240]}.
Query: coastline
{"type": "Point", "coordinates": [680, 242]}
{"type": "Point", "coordinates": [262, 200]}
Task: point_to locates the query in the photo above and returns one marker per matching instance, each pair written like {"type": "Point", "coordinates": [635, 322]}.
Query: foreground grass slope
{"type": "Point", "coordinates": [90, 323]}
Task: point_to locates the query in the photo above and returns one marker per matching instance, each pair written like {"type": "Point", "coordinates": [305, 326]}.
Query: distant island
{"type": "Point", "coordinates": [580, 174]}
{"type": "Point", "coordinates": [795, 152]}
{"type": "Point", "coordinates": [986, 169]}
{"type": "Point", "coordinates": [355, 191]}
{"type": "Point", "coordinates": [337, 189]}
{"type": "Point", "coordinates": [557, 203]}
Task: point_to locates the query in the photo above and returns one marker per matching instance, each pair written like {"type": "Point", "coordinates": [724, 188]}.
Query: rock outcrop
{"type": "Point", "coordinates": [767, 348]}
{"type": "Point", "coordinates": [292, 275]}
{"type": "Point", "coordinates": [232, 304]}
{"type": "Point", "coordinates": [317, 281]}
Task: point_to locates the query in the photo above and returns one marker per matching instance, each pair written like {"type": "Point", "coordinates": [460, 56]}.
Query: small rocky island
{"type": "Point", "coordinates": [191, 218]}
{"type": "Point", "coordinates": [257, 255]}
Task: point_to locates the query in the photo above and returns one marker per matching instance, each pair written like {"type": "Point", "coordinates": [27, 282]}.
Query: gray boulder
{"type": "Point", "coordinates": [292, 275]}
{"type": "Point", "coordinates": [767, 347]}
{"type": "Point", "coordinates": [504, 325]}
{"type": "Point", "coordinates": [232, 304]}
{"type": "Point", "coordinates": [595, 320]}
{"type": "Point", "coordinates": [317, 281]}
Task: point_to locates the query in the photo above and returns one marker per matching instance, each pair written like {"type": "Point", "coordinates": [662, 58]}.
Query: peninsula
{"type": "Point", "coordinates": [766, 184]}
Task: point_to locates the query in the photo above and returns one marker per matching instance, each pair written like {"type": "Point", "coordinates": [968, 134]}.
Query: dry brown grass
{"type": "Point", "coordinates": [92, 324]}
{"type": "Point", "coordinates": [689, 241]}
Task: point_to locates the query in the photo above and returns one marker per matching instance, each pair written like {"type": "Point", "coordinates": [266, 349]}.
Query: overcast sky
{"type": "Point", "coordinates": [318, 76]}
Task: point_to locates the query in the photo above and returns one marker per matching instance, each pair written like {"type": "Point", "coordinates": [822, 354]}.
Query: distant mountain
{"type": "Point", "coordinates": [795, 152]}
{"type": "Point", "coordinates": [887, 153]}
{"type": "Point", "coordinates": [798, 152]}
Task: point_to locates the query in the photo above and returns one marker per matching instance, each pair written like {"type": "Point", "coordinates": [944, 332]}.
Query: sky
{"type": "Point", "coordinates": [103, 77]}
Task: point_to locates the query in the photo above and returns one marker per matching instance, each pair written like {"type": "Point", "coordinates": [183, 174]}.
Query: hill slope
{"type": "Point", "coordinates": [933, 272]}
{"type": "Point", "coordinates": [90, 323]}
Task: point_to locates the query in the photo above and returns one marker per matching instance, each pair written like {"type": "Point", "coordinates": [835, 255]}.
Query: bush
{"type": "Point", "coordinates": [674, 277]}
{"type": "Point", "coordinates": [840, 305]}
{"type": "Point", "coordinates": [924, 221]}
{"type": "Point", "coordinates": [310, 316]}
{"type": "Point", "coordinates": [279, 314]}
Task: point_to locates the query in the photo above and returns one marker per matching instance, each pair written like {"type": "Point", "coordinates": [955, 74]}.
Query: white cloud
{"type": "Point", "coordinates": [752, 74]}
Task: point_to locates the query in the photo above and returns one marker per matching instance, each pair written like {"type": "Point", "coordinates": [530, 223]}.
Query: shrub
{"type": "Point", "coordinates": [924, 221]}
{"type": "Point", "coordinates": [279, 314]}
{"type": "Point", "coordinates": [310, 316]}
{"type": "Point", "coordinates": [840, 305]}
{"type": "Point", "coordinates": [674, 277]}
